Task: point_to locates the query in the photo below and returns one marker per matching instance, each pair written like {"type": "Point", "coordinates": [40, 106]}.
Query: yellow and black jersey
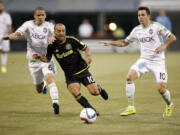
{"type": "Point", "coordinates": [68, 56]}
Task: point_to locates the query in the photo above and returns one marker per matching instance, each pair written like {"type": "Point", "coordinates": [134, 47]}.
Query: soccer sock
{"type": "Point", "coordinates": [4, 58]}
{"type": "Point", "coordinates": [53, 92]}
{"type": "Point", "coordinates": [83, 101]}
{"type": "Point", "coordinates": [130, 90]}
{"type": "Point", "coordinates": [167, 97]}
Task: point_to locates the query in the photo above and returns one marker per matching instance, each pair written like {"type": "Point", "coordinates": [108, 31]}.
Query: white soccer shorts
{"type": "Point", "coordinates": [157, 68]}
{"type": "Point", "coordinates": [40, 69]}
{"type": "Point", "coordinates": [4, 45]}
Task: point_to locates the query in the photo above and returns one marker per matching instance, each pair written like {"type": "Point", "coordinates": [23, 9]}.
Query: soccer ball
{"type": "Point", "coordinates": [88, 115]}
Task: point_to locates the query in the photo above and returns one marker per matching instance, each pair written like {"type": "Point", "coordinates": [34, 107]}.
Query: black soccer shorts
{"type": "Point", "coordinates": [85, 78]}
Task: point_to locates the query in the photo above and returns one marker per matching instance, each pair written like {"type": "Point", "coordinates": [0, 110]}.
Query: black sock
{"type": "Point", "coordinates": [83, 101]}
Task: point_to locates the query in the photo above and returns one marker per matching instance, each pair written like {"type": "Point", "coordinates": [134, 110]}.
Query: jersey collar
{"type": "Point", "coordinates": [150, 22]}
{"type": "Point", "coordinates": [36, 24]}
{"type": "Point", "coordinates": [62, 41]}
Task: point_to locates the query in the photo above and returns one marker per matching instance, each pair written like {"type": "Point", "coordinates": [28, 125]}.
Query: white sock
{"type": "Point", "coordinates": [167, 97]}
{"type": "Point", "coordinates": [130, 90]}
{"type": "Point", "coordinates": [4, 58]}
{"type": "Point", "coordinates": [53, 92]}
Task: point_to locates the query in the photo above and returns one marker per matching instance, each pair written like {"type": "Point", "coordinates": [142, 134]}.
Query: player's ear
{"type": "Point", "coordinates": [34, 15]}
{"type": "Point", "coordinates": [45, 15]}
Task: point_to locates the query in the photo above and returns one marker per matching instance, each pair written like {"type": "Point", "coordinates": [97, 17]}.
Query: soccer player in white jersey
{"type": "Point", "coordinates": [150, 36]}
{"type": "Point", "coordinates": [5, 28]}
{"type": "Point", "coordinates": [38, 33]}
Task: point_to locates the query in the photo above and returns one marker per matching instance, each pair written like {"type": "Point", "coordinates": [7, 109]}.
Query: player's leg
{"type": "Point", "coordinates": [130, 87]}
{"type": "Point", "coordinates": [39, 87]}
{"type": "Point", "coordinates": [36, 75]}
{"type": "Point", "coordinates": [136, 71]}
{"type": "Point", "coordinates": [48, 70]}
{"type": "Point", "coordinates": [74, 89]}
{"type": "Point", "coordinates": [167, 98]}
{"type": "Point", "coordinates": [96, 89]}
{"type": "Point", "coordinates": [130, 91]}
{"type": "Point", "coordinates": [4, 48]}
{"type": "Point", "coordinates": [93, 88]}
{"type": "Point", "coordinates": [160, 75]}
{"type": "Point", "coordinates": [4, 57]}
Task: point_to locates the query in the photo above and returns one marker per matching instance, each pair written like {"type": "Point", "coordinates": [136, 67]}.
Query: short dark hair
{"type": "Point", "coordinates": [39, 8]}
{"type": "Point", "coordinates": [145, 8]}
{"type": "Point", "coordinates": [1, 2]}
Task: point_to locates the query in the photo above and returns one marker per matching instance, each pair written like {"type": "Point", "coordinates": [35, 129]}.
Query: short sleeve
{"type": "Point", "coordinates": [49, 52]}
{"type": "Point", "coordinates": [80, 45]}
{"type": "Point", "coordinates": [163, 31]}
{"type": "Point", "coordinates": [51, 29]}
{"type": "Point", "coordinates": [9, 20]}
{"type": "Point", "coordinates": [131, 37]}
{"type": "Point", "coordinates": [23, 28]}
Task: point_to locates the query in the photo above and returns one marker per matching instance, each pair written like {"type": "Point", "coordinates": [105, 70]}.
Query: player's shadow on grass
{"type": "Point", "coordinates": [27, 113]}
{"type": "Point", "coordinates": [45, 114]}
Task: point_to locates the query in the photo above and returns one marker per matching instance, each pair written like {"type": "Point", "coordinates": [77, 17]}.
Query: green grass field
{"type": "Point", "coordinates": [25, 112]}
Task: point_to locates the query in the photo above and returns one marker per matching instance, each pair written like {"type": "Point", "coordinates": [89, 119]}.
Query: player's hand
{"type": "Point", "coordinates": [51, 40]}
{"type": "Point", "coordinates": [36, 56]}
{"type": "Point", "coordinates": [6, 37]}
{"type": "Point", "coordinates": [160, 48]}
{"type": "Point", "coordinates": [106, 43]}
{"type": "Point", "coordinates": [88, 59]}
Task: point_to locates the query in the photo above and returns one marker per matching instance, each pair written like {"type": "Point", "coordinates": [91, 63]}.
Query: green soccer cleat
{"type": "Point", "coordinates": [3, 70]}
{"type": "Point", "coordinates": [128, 111]}
{"type": "Point", "coordinates": [168, 111]}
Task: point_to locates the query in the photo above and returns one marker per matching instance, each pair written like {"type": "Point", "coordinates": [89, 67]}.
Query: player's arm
{"type": "Point", "coordinates": [44, 58]}
{"type": "Point", "coordinates": [81, 46]}
{"type": "Point", "coordinates": [88, 58]}
{"type": "Point", "coordinates": [10, 29]}
{"type": "Point", "coordinates": [118, 43]}
{"type": "Point", "coordinates": [12, 36]}
{"type": "Point", "coordinates": [170, 41]}
{"type": "Point", "coordinates": [41, 58]}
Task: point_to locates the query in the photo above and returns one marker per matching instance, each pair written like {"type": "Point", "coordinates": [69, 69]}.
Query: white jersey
{"type": "Point", "coordinates": [5, 21]}
{"type": "Point", "coordinates": [149, 39]}
{"type": "Point", "coordinates": [37, 36]}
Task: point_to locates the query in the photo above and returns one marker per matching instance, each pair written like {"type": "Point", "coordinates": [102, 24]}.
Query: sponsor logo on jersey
{"type": "Point", "coordinates": [68, 46]}
{"type": "Point", "coordinates": [38, 36]}
{"type": "Point", "coordinates": [44, 30]}
{"type": "Point", "coordinates": [146, 39]}
{"type": "Point", "coordinates": [151, 31]}
{"type": "Point", "coordinates": [60, 56]}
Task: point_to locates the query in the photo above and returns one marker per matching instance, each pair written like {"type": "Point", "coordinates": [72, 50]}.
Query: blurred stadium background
{"type": "Point", "coordinates": [24, 112]}
{"type": "Point", "coordinates": [99, 12]}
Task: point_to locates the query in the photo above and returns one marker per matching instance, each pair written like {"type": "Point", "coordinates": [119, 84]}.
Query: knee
{"type": "Point", "coordinates": [39, 88]}
{"type": "Point", "coordinates": [74, 91]}
{"type": "Point", "coordinates": [39, 91]}
{"type": "Point", "coordinates": [94, 92]}
{"type": "Point", "coordinates": [93, 89]}
{"type": "Point", "coordinates": [161, 88]}
{"type": "Point", "coordinates": [49, 78]}
{"type": "Point", "coordinates": [129, 78]}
